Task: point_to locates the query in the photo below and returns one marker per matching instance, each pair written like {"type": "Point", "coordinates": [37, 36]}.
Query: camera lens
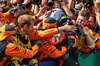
{"type": "Point", "coordinates": [50, 3]}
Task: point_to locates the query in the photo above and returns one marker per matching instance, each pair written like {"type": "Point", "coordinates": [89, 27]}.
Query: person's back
{"type": "Point", "coordinates": [87, 42]}
{"type": "Point", "coordinates": [47, 24]}
{"type": "Point", "coordinates": [59, 40]}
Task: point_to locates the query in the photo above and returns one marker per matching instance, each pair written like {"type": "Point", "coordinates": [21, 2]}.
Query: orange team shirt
{"type": "Point", "coordinates": [39, 34]}
{"type": "Point", "coordinates": [84, 49]}
{"type": "Point", "coordinates": [49, 50]}
{"type": "Point", "coordinates": [15, 51]}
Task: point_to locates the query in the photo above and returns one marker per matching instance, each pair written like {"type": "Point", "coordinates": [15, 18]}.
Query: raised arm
{"type": "Point", "coordinates": [15, 51]}
{"type": "Point", "coordinates": [97, 4]}
{"type": "Point", "coordinates": [66, 9]}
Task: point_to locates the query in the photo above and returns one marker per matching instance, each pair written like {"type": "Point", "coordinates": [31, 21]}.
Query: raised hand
{"type": "Point", "coordinates": [85, 31]}
{"type": "Point", "coordinates": [97, 5]}
{"type": "Point", "coordinates": [70, 28]}
{"type": "Point", "coordinates": [40, 13]}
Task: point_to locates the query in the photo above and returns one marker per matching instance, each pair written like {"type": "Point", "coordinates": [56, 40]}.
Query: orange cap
{"type": "Point", "coordinates": [5, 31]}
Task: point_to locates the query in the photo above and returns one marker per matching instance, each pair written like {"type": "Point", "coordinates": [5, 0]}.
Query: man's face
{"type": "Point", "coordinates": [81, 20]}
{"type": "Point", "coordinates": [91, 22]}
{"type": "Point", "coordinates": [30, 28]}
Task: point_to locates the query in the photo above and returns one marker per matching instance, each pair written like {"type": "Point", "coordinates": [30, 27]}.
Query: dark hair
{"type": "Point", "coordinates": [94, 16]}
{"type": "Point", "coordinates": [88, 3]}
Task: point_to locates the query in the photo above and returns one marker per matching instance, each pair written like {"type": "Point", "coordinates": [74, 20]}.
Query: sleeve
{"type": "Point", "coordinates": [7, 15]}
{"type": "Point", "coordinates": [37, 35]}
{"type": "Point", "coordinates": [93, 46]}
{"type": "Point", "coordinates": [15, 51]}
{"type": "Point", "coordinates": [98, 44]}
{"type": "Point", "coordinates": [51, 50]}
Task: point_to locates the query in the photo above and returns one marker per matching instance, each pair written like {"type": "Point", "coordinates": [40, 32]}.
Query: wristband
{"type": "Point", "coordinates": [35, 16]}
{"type": "Point", "coordinates": [98, 10]}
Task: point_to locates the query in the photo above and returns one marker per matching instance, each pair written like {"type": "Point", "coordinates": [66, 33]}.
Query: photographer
{"type": "Point", "coordinates": [88, 5]}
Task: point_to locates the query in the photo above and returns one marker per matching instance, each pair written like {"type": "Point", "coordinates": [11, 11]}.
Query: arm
{"type": "Point", "coordinates": [93, 37]}
{"type": "Point", "coordinates": [97, 4]}
{"type": "Point", "coordinates": [12, 11]}
{"type": "Point", "coordinates": [67, 10]}
{"type": "Point", "coordinates": [39, 34]}
{"type": "Point", "coordinates": [36, 35]}
{"type": "Point", "coordinates": [35, 8]}
{"type": "Point", "coordinates": [89, 40]}
{"type": "Point", "coordinates": [16, 1]}
{"type": "Point", "coordinates": [15, 51]}
{"type": "Point", "coordinates": [71, 4]}
{"type": "Point", "coordinates": [51, 50]}
{"type": "Point", "coordinates": [39, 14]}
{"type": "Point", "coordinates": [98, 18]}
{"type": "Point", "coordinates": [26, 2]}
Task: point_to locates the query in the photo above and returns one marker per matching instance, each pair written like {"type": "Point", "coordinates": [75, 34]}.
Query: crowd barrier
{"type": "Point", "coordinates": [92, 59]}
{"type": "Point", "coordinates": [47, 63]}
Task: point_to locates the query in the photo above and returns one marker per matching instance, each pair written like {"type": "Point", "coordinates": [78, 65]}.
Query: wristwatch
{"type": "Point", "coordinates": [98, 10]}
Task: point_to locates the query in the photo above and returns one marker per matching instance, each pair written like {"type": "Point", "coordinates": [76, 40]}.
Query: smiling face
{"type": "Point", "coordinates": [83, 17]}
{"type": "Point", "coordinates": [91, 22]}
{"type": "Point", "coordinates": [81, 20]}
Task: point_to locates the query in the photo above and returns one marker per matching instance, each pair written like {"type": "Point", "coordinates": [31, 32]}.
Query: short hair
{"type": "Point", "coordinates": [24, 19]}
{"type": "Point", "coordinates": [85, 13]}
{"type": "Point", "coordinates": [94, 16]}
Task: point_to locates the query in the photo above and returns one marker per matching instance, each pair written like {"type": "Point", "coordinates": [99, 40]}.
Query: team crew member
{"type": "Point", "coordinates": [10, 13]}
{"type": "Point", "coordinates": [41, 35]}
{"type": "Point", "coordinates": [49, 49]}
{"type": "Point", "coordinates": [61, 40]}
{"type": "Point", "coordinates": [25, 25]}
{"type": "Point", "coordinates": [10, 49]}
{"type": "Point", "coordinates": [95, 29]}
{"type": "Point", "coordinates": [87, 43]}
{"type": "Point", "coordinates": [6, 16]}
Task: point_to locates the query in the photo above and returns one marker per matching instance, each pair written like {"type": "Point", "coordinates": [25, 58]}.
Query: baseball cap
{"type": "Point", "coordinates": [6, 30]}
{"type": "Point", "coordinates": [79, 6]}
{"type": "Point", "coordinates": [49, 22]}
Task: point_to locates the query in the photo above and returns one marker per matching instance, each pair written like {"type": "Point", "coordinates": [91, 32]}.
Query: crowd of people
{"type": "Point", "coordinates": [33, 31]}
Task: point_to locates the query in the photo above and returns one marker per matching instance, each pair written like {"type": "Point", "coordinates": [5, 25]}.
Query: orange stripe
{"type": "Point", "coordinates": [57, 15]}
